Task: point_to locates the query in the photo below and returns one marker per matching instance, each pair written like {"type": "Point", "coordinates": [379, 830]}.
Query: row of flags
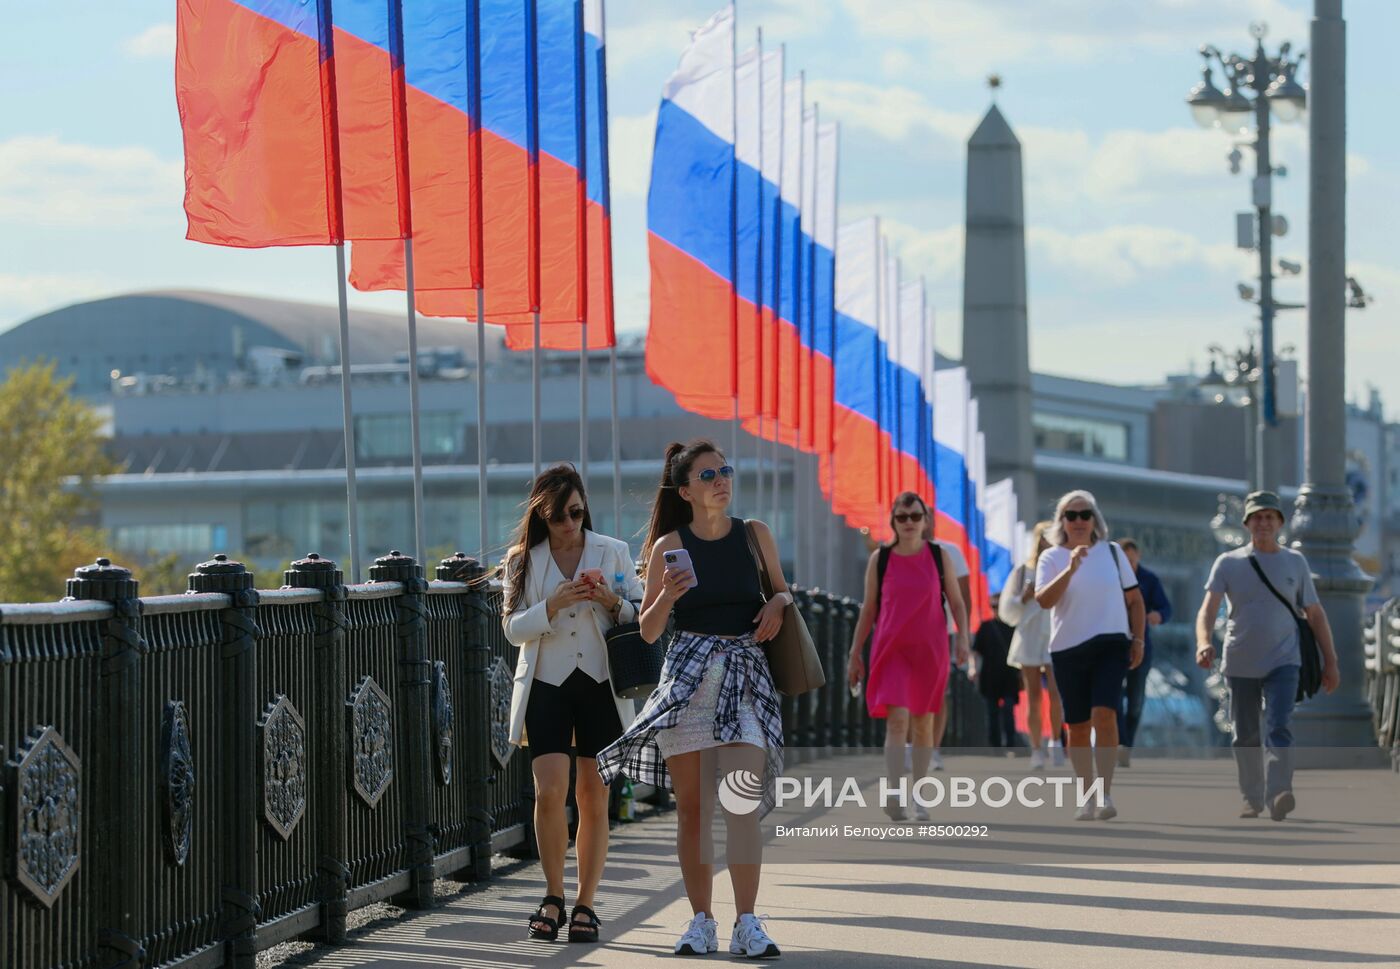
{"type": "Point", "coordinates": [766, 310]}
{"type": "Point", "coordinates": [475, 128]}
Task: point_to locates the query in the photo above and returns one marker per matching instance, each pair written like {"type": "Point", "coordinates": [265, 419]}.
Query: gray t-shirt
{"type": "Point", "coordinates": [1261, 636]}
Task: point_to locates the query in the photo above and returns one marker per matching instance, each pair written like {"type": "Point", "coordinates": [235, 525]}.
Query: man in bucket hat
{"type": "Point", "coordinates": [1260, 659]}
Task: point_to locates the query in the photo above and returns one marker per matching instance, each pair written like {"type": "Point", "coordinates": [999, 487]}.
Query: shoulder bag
{"type": "Point", "coordinates": [792, 656]}
{"type": "Point", "coordinates": [1310, 657]}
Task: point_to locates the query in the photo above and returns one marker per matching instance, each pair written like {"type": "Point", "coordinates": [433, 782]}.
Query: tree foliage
{"type": "Point", "coordinates": [50, 460]}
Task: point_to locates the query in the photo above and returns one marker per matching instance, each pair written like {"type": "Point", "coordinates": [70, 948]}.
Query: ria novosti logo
{"type": "Point", "coordinates": [741, 792]}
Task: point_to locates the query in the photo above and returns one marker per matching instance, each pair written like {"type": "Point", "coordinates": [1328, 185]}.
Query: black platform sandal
{"type": "Point", "coordinates": [542, 927]}
{"type": "Point", "coordinates": [583, 929]}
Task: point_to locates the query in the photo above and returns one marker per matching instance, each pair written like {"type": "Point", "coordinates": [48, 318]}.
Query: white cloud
{"type": "Point", "coordinates": [156, 41]}
{"type": "Point", "coordinates": [24, 294]}
{"type": "Point", "coordinates": [892, 112]}
{"type": "Point", "coordinates": [47, 181]}
{"type": "Point", "coordinates": [974, 37]}
{"type": "Point", "coordinates": [1121, 255]}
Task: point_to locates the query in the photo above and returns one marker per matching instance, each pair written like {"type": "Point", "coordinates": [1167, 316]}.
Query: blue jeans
{"type": "Point", "coordinates": [1264, 774]}
{"type": "Point", "coordinates": [1134, 696]}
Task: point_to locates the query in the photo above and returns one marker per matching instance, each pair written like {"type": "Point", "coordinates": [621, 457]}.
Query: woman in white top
{"type": "Point", "coordinates": [1096, 623]}
{"type": "Point", "coordinates": [561, 582]}
{"type": "Point", "coordinates": [1030, 651]}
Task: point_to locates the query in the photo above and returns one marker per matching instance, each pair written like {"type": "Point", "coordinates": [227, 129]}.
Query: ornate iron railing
{"type": "Point", "coordinates": [189, 780]}
{"type": "Point", "coordinates": [1383, 677]}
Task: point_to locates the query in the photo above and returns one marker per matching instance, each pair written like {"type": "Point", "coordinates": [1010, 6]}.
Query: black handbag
{"type": "Point", "coordinates": [1310, 657]}
{"type": "Point", "coordinates": [634, 663]}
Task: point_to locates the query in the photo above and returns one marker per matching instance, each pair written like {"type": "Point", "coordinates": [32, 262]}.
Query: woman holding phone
{"type": "Point", "coordinates": [716, 702]}
{"type": "Point", "coordinates": [558, 604]}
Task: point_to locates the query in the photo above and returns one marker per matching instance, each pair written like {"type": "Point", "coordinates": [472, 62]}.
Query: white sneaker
{"type": "Point", "coordinates": [1038, 759]}
{"type": "Point", "coordinates": [701, 937]}
{"type": "Point", "coordinates": [750, 940]}
{"type": "Point", "coordinates": [1086, 812]}
{"type": "Point", "coordinates": [1057, 755]}
{"type": "Point", "coordinates": [1106, 809]}
{"type": "Point", "coordinates": [935, 761]}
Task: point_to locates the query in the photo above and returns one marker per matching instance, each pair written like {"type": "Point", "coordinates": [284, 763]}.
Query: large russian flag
{"type": "Point", "coordinates": [950, 461]}
{"type": "Point", "coordinates": [690, 227]}
{"type": "Point", "coordinates": [823, 349]}
{"type": "Point", "coordinates": [806, 314]}
{"type": "Point", "coordinates": [255, 88]}
{"type": "Point", "coordinates": [909, 354]}
{"type": "Point", "coordinates": [849, 472]}
{"type": "Point", "coordinates": [748, 225]}
{"type": "Point", "coordinates": [790, 249]}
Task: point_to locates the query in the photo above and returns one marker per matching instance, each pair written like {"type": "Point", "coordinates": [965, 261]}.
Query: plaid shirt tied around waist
{"type": "Point", "coordinates": [636, 754]}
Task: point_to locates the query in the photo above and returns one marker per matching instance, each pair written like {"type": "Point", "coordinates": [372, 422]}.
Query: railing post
{"type": "Point", "coordinates": [239, 704]}
{"type": "Point", "coordinates": [415, 707]}
{"type": "Point", "coordinates": [328, 731]}
{"type": "Point", "coordinates": [117, 761]}
{"type": "Point", "coordinates": [477, 706]}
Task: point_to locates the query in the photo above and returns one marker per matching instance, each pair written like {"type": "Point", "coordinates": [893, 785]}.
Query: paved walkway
{"type": "Point", "coordinates": [1172, 883]}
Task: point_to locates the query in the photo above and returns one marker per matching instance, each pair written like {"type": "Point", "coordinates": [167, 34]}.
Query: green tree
{"type": "Point", "coordinates": [50, 460]}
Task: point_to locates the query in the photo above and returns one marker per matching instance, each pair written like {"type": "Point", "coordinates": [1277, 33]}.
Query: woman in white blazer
{"type": "Point", "coordinates": [565, 586]}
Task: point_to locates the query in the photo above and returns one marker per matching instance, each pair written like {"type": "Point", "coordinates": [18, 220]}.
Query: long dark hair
{"type": "Point", "coordinates": [549, 496]}
{"type": "Point", "coordinates": [670, 511]}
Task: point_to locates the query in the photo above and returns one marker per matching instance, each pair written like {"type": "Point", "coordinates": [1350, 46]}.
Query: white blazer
{"type": "Point", "coordinates": [528, 626]}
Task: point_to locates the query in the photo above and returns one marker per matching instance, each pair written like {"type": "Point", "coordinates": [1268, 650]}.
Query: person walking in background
{"type": "Point", "coordinates": [999, 684]}
{"type": "Point", "coordinates": [904, 605]}
{"type": "Point", "coordinates": [1030, 652]}
{"type": "Point", "coordinates": [1096, 623]}
{"type": "Point", "coordinates": [557, 609]}
{"type": "Point", "coordinates": [716, 705]}
{"type": "Point", "coordinates": [1159, 610]}
{"type": "Point", "coordinates": [1260, 659]}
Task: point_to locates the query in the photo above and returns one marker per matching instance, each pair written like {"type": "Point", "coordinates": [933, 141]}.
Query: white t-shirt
{"type": "Point", "coordinates": [960, 570]}
{"type": "Point", "coordinates": [1093, 601]}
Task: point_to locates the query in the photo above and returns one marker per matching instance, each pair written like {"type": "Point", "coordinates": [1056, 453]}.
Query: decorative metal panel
{"type": "Point", "coordinates": [284, 770]}
{"type": "Point", "coordinates": [45, 779]}
{"type": "Point", "coordinates": [442, 721]}
{"type": "Point", "coordinates": [371, 741]}
{"type": "Point", "coordinates": [501, 687]}
{"type": "Point", "coordinates": [177, 777]}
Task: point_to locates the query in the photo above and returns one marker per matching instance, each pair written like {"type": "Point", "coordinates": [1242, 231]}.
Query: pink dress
{"type": "Point", "coordinates": [909, 649]}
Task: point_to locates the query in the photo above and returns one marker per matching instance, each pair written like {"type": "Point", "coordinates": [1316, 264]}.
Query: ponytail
{"type": "Point", "coordinates": [670, 511]}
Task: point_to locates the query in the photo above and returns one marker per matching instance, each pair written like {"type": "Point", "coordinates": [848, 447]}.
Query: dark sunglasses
{"type": "Point", "coordinates": [709, 474]}
{"type": "Point", "coordinates": [1079, 516]}
{"type": "Point", "coordinates": [909, 516]}
{"type": "Point", "coordinates": [574, 513]}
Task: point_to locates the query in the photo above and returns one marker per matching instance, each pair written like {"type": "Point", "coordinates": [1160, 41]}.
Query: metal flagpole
{"type": "Point", "coordinates": [734, 433]}
{"type": "Point", "coordinates": [535, 389]}
{"type": "Point", "coordinates": [583, 404]}
{"type": "Point", "coordinates": [413, 412]}
{"type": "Point", "coordinates": [481, 424]}
{"type": "Point", "coordinates": [773, 522]}
{"type": "Point", "coordinates": [351, 498]}
{"type": "Point", "coordinates": [833, 533]}
{"type": "Point", "coordinates": [758, 466]}
{"type": "Point", "coordinates": [616, 443]}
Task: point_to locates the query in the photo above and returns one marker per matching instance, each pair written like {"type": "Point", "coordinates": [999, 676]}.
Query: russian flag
{"type": "Point", "coordinates": [1001, 511]}
{"type": "Point", "coordinates": [806, 322]}
{"type": "Point", "coordinates": [690, 227]}
{"type": "Point", "coordinates": [909, 354]}
{"type": "Point", "coordinates": [950, 482]}
{"type": "Point", "coordinates": [774, 90]}
{"type": "Point", "coordinates": [748, 224]}
{"type": "Point", "coordinates": [823, 347]}
{"type": "Point", "coordinates": [790, 277]}
{"type": "Point", "coordinates": [977, 485]}
{"type": "Point", "coordinates": [849, 472]}
{"type": "Point", "coordinates": [255, 88]}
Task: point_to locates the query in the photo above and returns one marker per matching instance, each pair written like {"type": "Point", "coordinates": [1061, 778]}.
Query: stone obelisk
{"type": "Point", "coordinates": [996, 348]}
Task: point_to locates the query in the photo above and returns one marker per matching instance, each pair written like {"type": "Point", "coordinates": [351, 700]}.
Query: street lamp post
{"type": "Point", "coordinates": [1276, 91]}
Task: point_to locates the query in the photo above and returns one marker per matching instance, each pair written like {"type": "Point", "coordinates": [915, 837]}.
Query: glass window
{"type": "Point", "coordinates": [163, 539]}
{"type": "Point", "coordinates": [1081, 436]}
{"type": "Point", "coordinates": [381, 436]}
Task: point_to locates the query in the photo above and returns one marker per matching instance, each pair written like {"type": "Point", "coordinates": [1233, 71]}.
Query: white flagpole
{"type": "Point", "coordinates": [348, 416]}
{"type": "Point", "coordinates": [535, 389]}
{"type": "Point", "coordinates": [758, 462]}
{"type": "Point", "coordinates": [481, 424]}
{"type": "Point", "coordinates": [413, 412]}
{"type": "Point", "coordinates": [616, 443]}
{"type": "Point", "coordinates": [583, 405]}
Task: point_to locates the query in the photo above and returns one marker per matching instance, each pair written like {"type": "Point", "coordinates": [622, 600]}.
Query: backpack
{"type": "Point", "coordinates": [883, 562]}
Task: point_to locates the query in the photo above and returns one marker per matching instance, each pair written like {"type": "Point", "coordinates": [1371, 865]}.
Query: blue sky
{"type": "Point", "coordinates": [1130, 208]}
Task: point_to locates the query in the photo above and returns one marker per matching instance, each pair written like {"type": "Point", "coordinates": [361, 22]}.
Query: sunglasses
{"type": "Point", "coordinates": [1079, 516]}
{"type": "Point", "coordinates": [575, 514]}
{"type": "Point", "coordinates": [909, 516]}
{"type": "Point", "coordinates": [709, 474]}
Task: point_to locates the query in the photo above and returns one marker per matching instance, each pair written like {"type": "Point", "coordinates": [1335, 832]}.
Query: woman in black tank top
{"type": "Point", "coordinates": [716, 710]}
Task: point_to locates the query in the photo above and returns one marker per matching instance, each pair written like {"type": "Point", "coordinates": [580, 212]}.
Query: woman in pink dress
{"type": "Point", "coordinates": [905, 598]}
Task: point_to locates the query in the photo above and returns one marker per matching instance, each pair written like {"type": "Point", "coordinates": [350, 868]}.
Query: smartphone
{"type": "Point", "coordinates": [680, 559]}
{"type": "Point", "coordinates": [594, 576]}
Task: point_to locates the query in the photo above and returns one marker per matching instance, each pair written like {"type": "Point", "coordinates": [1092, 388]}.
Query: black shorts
{"type": "Point", "coordinates": [1091, 675]}
{"type": "Point", "coordinates": [579, 713]}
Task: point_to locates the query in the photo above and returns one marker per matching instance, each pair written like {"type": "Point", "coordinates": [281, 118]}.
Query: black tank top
{"type": "Point", "coordinates": [728, 596]}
